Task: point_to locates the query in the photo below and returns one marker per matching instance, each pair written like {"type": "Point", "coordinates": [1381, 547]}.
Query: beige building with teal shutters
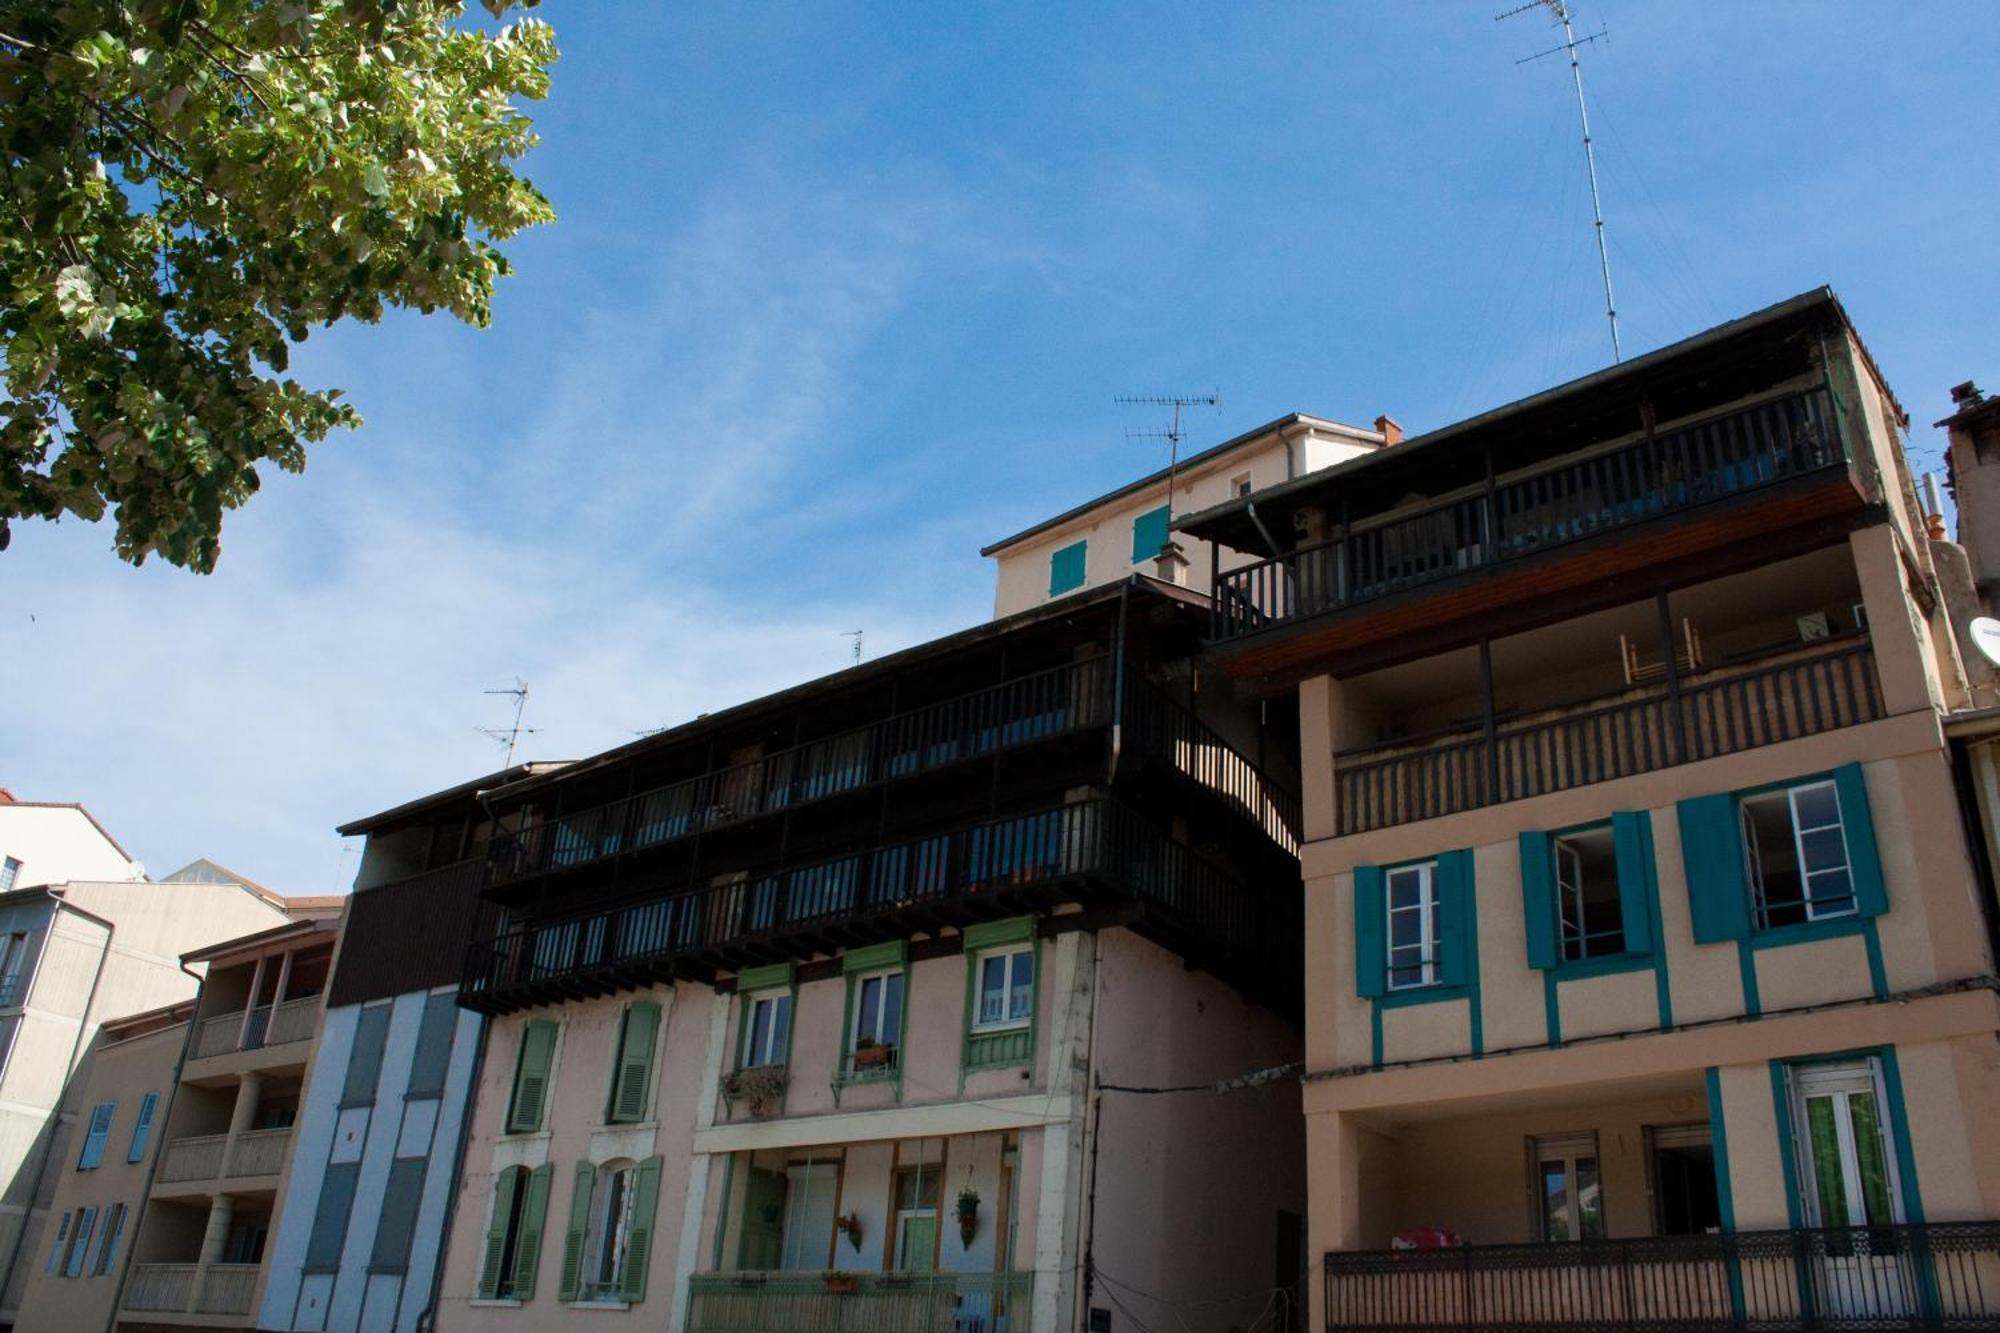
{"type": "Point", "coordinates": [1650, 930]}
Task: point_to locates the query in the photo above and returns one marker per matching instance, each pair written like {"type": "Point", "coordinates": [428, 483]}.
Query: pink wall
{"type": "Point", "coordinates": [1189, 1184]}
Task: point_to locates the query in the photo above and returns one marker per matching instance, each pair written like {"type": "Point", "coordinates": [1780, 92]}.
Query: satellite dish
{"type": "Point", "coordinates": [1985, 633]}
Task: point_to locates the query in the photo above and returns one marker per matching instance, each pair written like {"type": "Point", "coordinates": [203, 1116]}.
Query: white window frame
{"type": "Point", "coordinates": [859, 1028]}
{"type": "Point", "coordinates": [1840, 1082]}
{"type": "Point", "coordinates": [774, 1049]}
{"type": "Point", "coordinates": [1814, 910]}
{"type": "Point", "coordinates": [1570, 900]}
{"type": "Point", "coordinates": [1006, 957]}
{"type": "Point", "coordinates": [1570, 1150]}
{"type": "Point", "coordinates": [610, 1232]}
{"type": "Point", "coordinates": [904, 1216]}
{"type": "Point", "coordinates": [1239, 486]}
{"type": "Point", "coordinates": [10, 873]}
{"type": "Point", "coordinates": [1426, 910]}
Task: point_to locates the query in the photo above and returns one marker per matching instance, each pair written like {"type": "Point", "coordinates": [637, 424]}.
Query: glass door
{"type": "Point", "coordinates": [1848, 1180]}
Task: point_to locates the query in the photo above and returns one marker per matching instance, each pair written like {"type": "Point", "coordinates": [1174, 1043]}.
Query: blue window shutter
{"type": "Point", "coordinates": [433, 1055]}
{"type": "Point", "coordinates": [1066, 568]}
{"type": "Point", "coordinates": [1371, 933]}
{"type": "Point", "coordinates": [330, 1214]}
{"type": "Point", "coordinates": [1538, 899]}
{"type": "Point", "coordinates": [56, 1254]}
{"type": "Point", "coordinates": [1712, 853]}
{"type": "Point", "coordinates": [142, 1132]}
{"type": "Point", "coordinates": [1455, 918]}
{"type": "Point", "coordinates": [1632, 837]}
{"type": "Point", "coordinates": [1864, 859]}
{"type": "Point", "coordinates": [100, 1130]}
{"type": "Point", "coordinates": [364, 1058]}
{"type": "Point", "coordinates": [401, 1198]}
{"type": "Point", "coordinates": [1149, 534]}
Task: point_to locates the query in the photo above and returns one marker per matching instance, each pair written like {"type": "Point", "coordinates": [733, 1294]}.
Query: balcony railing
{"type": "Point", "coordinates": [1089, 849]}
{"type": "Point", "coordinates": [254, 1152]}
{"type": "Point", "coordinates": [1032, 708]}
{"type": "Point", "coordinates": [227, 1289]}
{"type": "Point", "coordinates": [1940, 1276]}
{"type": "Point", "coordinates": [163, 1288]}
{"type": "Point", "coordinates": [1163, 727]}
{"type": "Point", "coordinates": [878, 1302]}
{"type": "Point", "coordinates": [259, 1152]}
{"type": "Point", "coordinates": [281, 1025]}
{"type": "Point", "coordinates": [1799, 692]}
{"type": "Point", "coordinates": [195, 1158]}
{"type": "Point", "coordinates": [1553, 506]}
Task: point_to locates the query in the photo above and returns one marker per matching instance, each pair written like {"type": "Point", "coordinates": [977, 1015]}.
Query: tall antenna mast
{"type": "Point", "coordinates": [1560, 8]}
{"type": "Point", "coordinates": [511, 736]}
{"type": "Point", "coordinates": [1172, 435]}
{"type": "Point", "coordinates": [855, 635]}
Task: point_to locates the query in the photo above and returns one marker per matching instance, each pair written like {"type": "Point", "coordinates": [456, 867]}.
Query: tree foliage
{"type": "Point", "coordinates": [190, 186]}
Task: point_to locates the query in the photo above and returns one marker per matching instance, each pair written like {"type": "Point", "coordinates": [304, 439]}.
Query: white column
{"type": "Point", "coordinates": [250, 1004]}
{"type": "Point", "coordinates": [687, 1258]}
{"type": "Point", "coordinates": [221, 1213]}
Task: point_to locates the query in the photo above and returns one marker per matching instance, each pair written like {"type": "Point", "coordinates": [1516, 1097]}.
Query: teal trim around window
{"type": "Point", "coordinates": [1712, 854]}
{"type": "Point", "coordinates": [1864, 858]}
{"type": "Point", "coordinates": [1899, 1125]}
{"type": "Point", "coordinates": [1807, 932]}
{"type": "Point", "coordinates": [1788, 1154]}
{"type": "Point", "coordinates": [1899, 1131]}
{"type": "Point", "coordinates": [1718, 1135]}
{"type": "Point", "coordinates": [1458, 944]}
{"type": "Point", "coordinates": [1746, 973]}
{"type": "Point", "coordinates": [1607, 966]}
{"type": "Point", "coordinates": [1066, 568]}
{"type": "Point", "coordinates": [1878, 972]}
{"type": "Point", "coordinates": [1552, 1002]}
{"type": "Point", "coordinates": [1639, 902]}
{"type": "Point", "coordinates": [1538, 899]}
{"type": "Point", "coordinates": [1149, 534]}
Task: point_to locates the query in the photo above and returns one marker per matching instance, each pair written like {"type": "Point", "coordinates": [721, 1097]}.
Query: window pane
{"type": "Point", "coordinates": [1829, 1182]}
{"type": "Point", "coordinates": [1405, 888]}
{"type": "Point", "coordinates": [1589, 1198]}
{"type": "Point", "coordinates": [867, 1006]}
{"type": "Point", "coordinates": [892, 1009]}
{"type": "Point", "coordinates": [992, 989]}
{"type": "Point", "coordinates": [1824, 849]}
{"type": "Point", "coordinates": [1866, 1122]}
{"type": "Point", "coordinates": [1405, 928]}
{"type": "Point", "coordinates": [1831, 894]}
{"type": "Point", "coordinates": [781, 1028]}
{"type": "Point", "coordinates": [1021, 1003]}
{"type": "Point", "coordinates": [1816, 805]}
{"type": "Point", "coordinates": [1555, 1201]}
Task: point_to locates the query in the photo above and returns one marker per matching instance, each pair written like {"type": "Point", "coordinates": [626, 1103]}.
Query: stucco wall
{"type": "Point", "coordinates": [56, 843]}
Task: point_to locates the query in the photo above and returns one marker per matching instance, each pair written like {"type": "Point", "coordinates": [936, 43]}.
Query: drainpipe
{"type": "Point", "coordinates": [1096, 1125]}
{"type": "Point", "coordinates": [1250, 508]}
{"type": "Point", "coordinates": [163, 1116]}
{"type": "Point", "coordinates": [69, 1073]}
{"type": "Point", "coordinates": [427, 1316]}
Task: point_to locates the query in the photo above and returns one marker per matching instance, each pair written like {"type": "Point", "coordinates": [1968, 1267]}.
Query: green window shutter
{"type": "Point", "coordinates": [635, 1062]}
{"type": "Point", "coordinates": [1632, 840]}
{"type": "Point", "coordinates": [579, 1228]}
{"type": "Point", "coordinates": [528, 1249]}
{"type": "Point", "coordinates": [504, 1185]}
{"type": "Point", "coordinates": [1538, 899]}
{"type": "Point", "coordinates": [1066, 568]}
{"type": "Point", "coordinates": [1149, 534]}
{"type": "Point", "coordinates": [1371, 932]}
{"type": "Point", "coordinates": [1456, 918]}
{"type": "Point", "coordinates": [1864, 859]}
{"type": "Point", "coordinates": [531, 1077]}
{"type": "Point", "coordinates": [1712, 853]}
{"type": "Point", "coordinates": [639, 1234]}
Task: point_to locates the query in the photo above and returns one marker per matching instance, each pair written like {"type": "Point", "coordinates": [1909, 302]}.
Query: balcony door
{"type": "Point", "coordinates": [810, 1191]}
{"type": "Point", "coordinates": [1848, 1180]}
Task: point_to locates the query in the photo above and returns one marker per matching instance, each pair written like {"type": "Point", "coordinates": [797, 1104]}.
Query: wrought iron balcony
{"type": "Point", "coordinates": [1543, 509]}
{"type": "Point", "coordinates": [1800, 691]}
{"type": "Point", "coordinates": [862, 1303]}
{"type": "Point", "coordinates": [1938, 1276]}
{"type": "Point", "coordinates": [1091, 852]}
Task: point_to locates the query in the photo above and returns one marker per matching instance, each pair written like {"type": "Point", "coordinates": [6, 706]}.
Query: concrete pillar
{"type": "Point", "coordinates": [221, 1213]}
{"type": "Point", "coordinates": [248, 1093]}
{"type": "Point", "coordinates": [250, 1005]}
{"type": "Point", "coordinates": [1333, 1202]}
{"type": "Point", "coordinates": [1900, 640]}
{"type": "Point", "coordinates": [284, 980]}
{"type": "Point", "coordinates": [1317, 705]}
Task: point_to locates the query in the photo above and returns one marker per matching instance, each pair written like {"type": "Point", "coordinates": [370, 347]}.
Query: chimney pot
{"type": "Point", "coordinates": [1966, 394]}
{"type": "Point", "coordinates": [1390, 431]}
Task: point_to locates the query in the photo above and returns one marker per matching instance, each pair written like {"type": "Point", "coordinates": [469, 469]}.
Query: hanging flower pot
{"type": "Point", "coordinates": [968, 1215]}
{"type": "Point", "coordinates": [842, 1284]}
{"type": "Point", "coordinates": [850, 1227]}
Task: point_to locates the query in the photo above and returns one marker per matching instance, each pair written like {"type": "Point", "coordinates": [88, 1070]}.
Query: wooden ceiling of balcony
{"type": "Point", "coordinates": [1618, 567]}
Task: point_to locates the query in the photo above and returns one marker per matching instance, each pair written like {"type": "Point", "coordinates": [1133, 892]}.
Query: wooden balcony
{"type": "Point", "coordinates": [1939, 1276]}
{"type": "Point", "coordinates": [1710, 486]}
{"type": "Point", "coordinates": [1797, 692]}
{"type": "Point", "coordinates": [905, 1302]}
{"type": "Point", "coordinates": [1094, 852]}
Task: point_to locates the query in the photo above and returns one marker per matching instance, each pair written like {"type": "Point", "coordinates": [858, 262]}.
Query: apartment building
{"type": "Point", "coordinates": [1128, 531]}
{"type": "Point", "coordinates": [1650, 968]}
{"type": "Point", "coordinates": [369, 1199]}
{"type": "Point", "coordinates": [910, 997]}
{"type": "Point", "coordinates": [199, 1244]}
{"type": "Point", "coordinates": [101, 1187]}
{"type": "Point", "coordinates": [72, 952]}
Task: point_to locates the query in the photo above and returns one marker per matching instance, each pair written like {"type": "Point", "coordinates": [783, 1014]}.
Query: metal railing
{"type": "Point", "coordinates": [860, 1303]}
{"type": "Point", "coordinates": [1937, 1276]}
{"type": "Point", "coordinates": [165, 1288]}
{"type": "Point", "coordinates": [1095, 842]}
{"type": "Point", "coordinates": [1162, 726]}
{"type": "Point", "coordinates": [1800, 692]}
{"type": "Point", "coordinates": [198, 1157]}
{"type": "Point", "coordinates": [1017, 712]}
{"type": "Point", "coordinates": [1566, 501]}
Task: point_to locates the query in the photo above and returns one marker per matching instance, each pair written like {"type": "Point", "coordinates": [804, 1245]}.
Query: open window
{"type": "Point", "coordinates": [1795, 854]}
{"type": "Point", "coordinates": [1589, 909]}
{"type": "Point", "coordinates": [1413, 926]}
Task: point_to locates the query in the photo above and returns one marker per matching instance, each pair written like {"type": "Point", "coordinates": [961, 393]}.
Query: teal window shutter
{"type": "Point", "coordinates": [1538, 899]}
{"type": "Point", "coordinates": [577, 1232]}
{"type": "Point", "coordinates": [1149, 534]}
{"type": "Point", "coordinates": [1864, 859]}
{"type": "Point", "coordinates": [1632, 838]}
{"type": "Point", "coordinates": [1066, 568]}
{"type": "Point", "coordinates": [534, 1214]}
{"type": "Point", "coordinates": [1712, 854]}
{"type": "Point", "coordinates": [639, 1231]}
{"type": "Point", "coordinates": [504, 1185]}
{"type": "Point", "coordinates": [1456, 918]}
{"type": "Point", "coordinates": [142, 1132]}
{"type": "Point", "coordinates": [1371, 933]}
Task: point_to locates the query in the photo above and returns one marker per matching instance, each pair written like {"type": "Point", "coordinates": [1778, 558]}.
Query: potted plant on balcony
{"type": "Point", "coordinates": [760, 1087]}
{"type": "Point", "coordinates": [872, 1054]}
{"type": "Point", "coordinates": [968, 1215]}
{"type": "Point", "coordinates": [842, 1284]}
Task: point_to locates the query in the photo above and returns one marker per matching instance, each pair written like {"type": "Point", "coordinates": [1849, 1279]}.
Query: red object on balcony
{"type": "Point", "coordinates": [1425, 1238]}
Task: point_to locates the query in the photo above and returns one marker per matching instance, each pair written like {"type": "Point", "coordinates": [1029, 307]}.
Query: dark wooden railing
{"type": "Point", "coordinates": [1093, 849]}
{"type": "Point", "coordinates": [1567, 501]}
{"type": "Point", "coordinates": [1799, 693]}
{"type": "Point", "coordinates": [1939, 1276]}
{"type": "Point", "coordinates": [1164, 727]}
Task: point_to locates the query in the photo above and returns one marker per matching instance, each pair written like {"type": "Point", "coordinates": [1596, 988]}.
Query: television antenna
{"type": "Point", "coordinates": [855, 635]}
{"type": "Point", "coordinates": [1570, 43]}
{"type": "Point", "coordinates": [510, 736]}
{"type": "Point", "coordinates": [1172, 434]}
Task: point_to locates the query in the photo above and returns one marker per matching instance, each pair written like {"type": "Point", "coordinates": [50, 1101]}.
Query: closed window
{"type": "Point", "coordinates": [1795, 851]}
{"type": "Point", "coordinates": [1066, 568]}
{"type": "Point", "coordinates": [433, 1055]}
{"type": "Point", "coordinates": [768, 1029]}
{"type": "Point", "coordinates": [810, 1192]}
{"type": "Point", "coordinates": [531, 1076]}
{"type": "Point", "coordinates": [1590, 909]}
{"type": "Point", "coordinates": [1846, 1164]}
{"type": "Point", "coordinates": [1569, 1199]}
{"type": "Point", "coordinates": [1239, 485]}
{"type": "Point", "coordinates": [1006, 990]}
{"type": "Point", "coordinates": [878, 1023]}
{"type": "Point", "coordinates": [93, 1140]}
{"type": "Point", "coordinates": [13, 967]}
{"type": "Point", "coordinates": [364, 1058]}
{"type": "Point", "coordinates": [1412, 926]}
{"type": "Point", "coordinates": [330, 1214]}
{"type": "Point", "coordinates": [916, 1218]}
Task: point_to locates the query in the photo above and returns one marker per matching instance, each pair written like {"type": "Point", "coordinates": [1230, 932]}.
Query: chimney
{"type": "Point", "coordinates": [1171, 565]}
{"type": "Point", "coordinates": [1966, 395]}
{"type": "Point", "coordinates": [1390, 432]}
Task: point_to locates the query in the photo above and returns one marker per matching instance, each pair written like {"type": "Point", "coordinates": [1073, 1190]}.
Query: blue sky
{"type": "Point", "coordinates": [842, 292]}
